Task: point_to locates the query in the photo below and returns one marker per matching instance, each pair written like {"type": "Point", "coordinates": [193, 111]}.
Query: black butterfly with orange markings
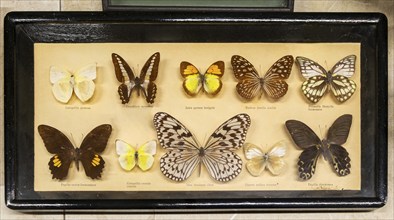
{"type": "Point", "coordinates": [57, 143]}
{"type": "Point", "coordinates": [313, 147]}
{"type": "Point", "coordinates": [273, 83]}
{"type": "Point", "coordinates": [143, 84]}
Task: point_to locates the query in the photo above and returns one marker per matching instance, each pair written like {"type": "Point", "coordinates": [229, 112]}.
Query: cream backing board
{"type": "Point", "coordinates": [201, 115]}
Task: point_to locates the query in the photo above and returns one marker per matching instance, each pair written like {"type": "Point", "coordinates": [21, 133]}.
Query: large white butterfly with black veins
{"type": "Point", "coordinates": [318, 80]}
{"type": "Point", "coordinates": [313, 147]}
{"type": "Point", "coordinates": [185, 153]}
{"type": "Point", "coordinates": [80, 81]}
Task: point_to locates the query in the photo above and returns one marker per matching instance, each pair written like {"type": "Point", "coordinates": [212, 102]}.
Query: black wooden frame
{"type": "Point", "coordinates": [23, 29]}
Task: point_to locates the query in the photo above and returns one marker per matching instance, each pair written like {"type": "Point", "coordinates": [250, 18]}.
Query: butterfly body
{"type": "Point", "coordinates": [80, 82]}
{"type": "Point", "coordinates": [209, 82]}
{"type": "Point", "coordinates": [185, 153]}
{"type": "Point", "coordinates": [251, 84]}
{"type": "Point", "coordinates": [143, 84]}
{"type": "Point", "coordinates": [319, 81]}
{"type": "Point", "coordinates": [65, 153]}
{"type": "Point", "coordinates": [331, 147]}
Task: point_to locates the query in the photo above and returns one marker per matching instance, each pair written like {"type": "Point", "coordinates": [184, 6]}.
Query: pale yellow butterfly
{"type": "Point", "coordinates": [258, 161]}
{"type": "Point", "coordinates": [80, 81]}
{"type": "Point", "coordinates": [129, 155]}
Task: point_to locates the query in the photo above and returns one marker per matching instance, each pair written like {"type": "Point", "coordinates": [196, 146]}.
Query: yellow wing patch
{"type": "Point", "coordinates": [194, 80]}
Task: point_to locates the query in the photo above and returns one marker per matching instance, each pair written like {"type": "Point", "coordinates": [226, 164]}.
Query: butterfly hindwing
{"type": "Point", "coordinates": [273, 83]}
{"type": "Point", "coordinates": [307, 162]}
{"type": "Point", "coordinates": [185, 153]}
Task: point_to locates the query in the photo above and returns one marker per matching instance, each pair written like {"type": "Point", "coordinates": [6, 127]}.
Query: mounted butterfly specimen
{"type": "Point", "coordinates": [185, 153]}
{"type": "Point", "coordinates": [195, 81]}
{"type": "Point", "coordinates": [129, 155]}
{"type": "Point", "coordinates": [93, 144]}
{"type": "Point", "coordinates": [144, 83]}
{"type": "Point", "coordinates": [313, 147]}
{"type": "Point", "coordinates": [64, 83]}
{"type": "Point", "coordinates": [319, 81]}
{"type": "Point", "coordinates": [258, 160]}
{"type": "Point", "coordinates": [273, 83]}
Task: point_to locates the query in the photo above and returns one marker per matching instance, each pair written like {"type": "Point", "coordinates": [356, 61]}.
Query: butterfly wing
{"type": "Point", "coordinates": [93, 144]}
{"type": "Point", "coordinates": [192, 83]}
{"type": "Point", "coordinates": [316, 84]}
{"type": "Point", "coordinates": [249, 85]}
{"type": "Point", "coordinates": [219, 159]}
{"type": "Point", "coordinates": [274, 80]}
{"type": "Point", "coordinates": [182, 158]}
{"type": "Point", "coordinates": [57, 143]}
{"type": "Point", "coordinates": [62, 88]}
{"type": "Point", "coordinates": [306, 139]}
{"type": "Point", "coordinates": [342, 87]}
{"type": "Point", "coordinates": [126, 154]}
{"type": "Point", "coordinates": [212, 82]}
{"type": "Point", "coordinates": [307, 162]}
{"type": "Point", "coordinates": [256, 162]}
{"type": "Point", "coordinates": [84, 85]}
{"type": "Point", "coordinates": [275, 162]}
{"type": "Point", "coordinates": [125, 75]}
{"type": "Point", "coordinates": [302, 135]}
{"type": "Point", "coordinates": [149, 74]}
{"type": "Point", "coordinates": [337, 135]}
{"type": "Point", "coordinates": [145, 155]}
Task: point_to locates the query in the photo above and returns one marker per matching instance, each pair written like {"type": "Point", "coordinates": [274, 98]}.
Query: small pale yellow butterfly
{"type": "Point", "coordinates": [129, 155]}
{"type": "Point", "coordinates": [194, 80]}
{"type": "Point", "coordinates": [258, 160]}
{"type": "Point", "coordinates": [80, 81]}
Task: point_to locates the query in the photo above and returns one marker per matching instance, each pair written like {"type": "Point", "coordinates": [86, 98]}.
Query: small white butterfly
{"type": "Point", "coordinates": [258, 161]}
{"type": "Point", "coordinates": [80, 81]}
{"type": "Point", "coordinates": [129, 156]}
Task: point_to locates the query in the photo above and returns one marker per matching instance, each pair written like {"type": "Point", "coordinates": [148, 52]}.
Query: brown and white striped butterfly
{"type": "Point", "coordinates": [250, 84]}
{"type": "Point", "coordinates": [313, 147]}
{"type": "Point", "coordinates": [143, 84]}
{"type": "Point", "coordinates": [185, 153]}
{"type": "Point", "coordinates": [318, 80]}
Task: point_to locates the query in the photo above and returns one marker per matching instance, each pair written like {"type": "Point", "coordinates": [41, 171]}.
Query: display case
{"type": "Point", "coordinates": [158, 112]}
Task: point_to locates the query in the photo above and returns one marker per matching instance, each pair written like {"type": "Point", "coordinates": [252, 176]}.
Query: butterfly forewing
{"type": "Point", "coordinates": [339, 131]}
{"type": "Point", "coordinates": [123, 71]}
{"type": "Point", "coordinates": [97, 139]}
{"type": "Point", "coordinates": [274, 80]}
{"type": "Point", "coordinates": [302, 135]}
{"type": "Point", "coordinates": [345, 67]}
{"type": "Point", "coordinates": [212, 83]}
{"type": "Point", "coordinates": [151, 68]}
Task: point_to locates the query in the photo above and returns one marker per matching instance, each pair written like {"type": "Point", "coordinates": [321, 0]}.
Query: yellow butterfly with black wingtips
{"type": "Point", "coordinates": [194, 80]}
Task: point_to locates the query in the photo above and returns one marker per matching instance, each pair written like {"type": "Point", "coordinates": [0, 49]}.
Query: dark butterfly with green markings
{"type": "Point", "coordinates": [144, 83]}
{"type": "Point", "coordinates": [57, 143]}
{"type": "Point", "coordinates": [313, 147]}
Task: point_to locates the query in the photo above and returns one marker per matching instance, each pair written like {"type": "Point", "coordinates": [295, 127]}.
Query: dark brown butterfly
{"type": "Point", "coordinates": [143, 84]}
{"type": "Point", "coordinates": [93, 144]}
{"type": "Point", "coordinates": [250, 84]}
{"type": "Point", "coordinates": [313, 147]}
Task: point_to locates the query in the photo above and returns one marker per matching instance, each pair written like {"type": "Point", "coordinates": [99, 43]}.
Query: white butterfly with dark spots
{"type": "Point", "coordinates": [185, 153]}
{"type": "Point", "coordinates": [313, 147]}
{"type": "Point", "coordinates": [318, 80]}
